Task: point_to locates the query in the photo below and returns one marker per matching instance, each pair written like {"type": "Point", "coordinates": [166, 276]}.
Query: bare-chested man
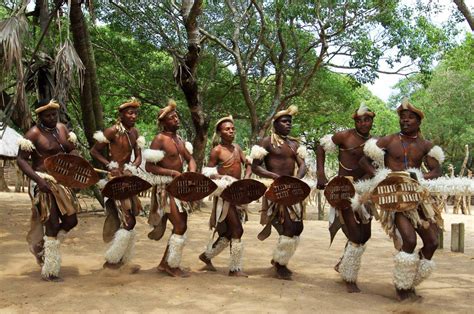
{"type": "Point", "coordinates": [278, 155]}
{"type": "Point", "coordinates": [225, 164]}
{"type": "Point", "coordinates": [165, 160]}
{"type": "Point", "coordinates": [47, 138]}
{"type": "Point", "coordinates": [120, 141]}
{"type": "Point", "coordinates": [406, 151]}
{"type": "Point", "coordinates": [357, 221]}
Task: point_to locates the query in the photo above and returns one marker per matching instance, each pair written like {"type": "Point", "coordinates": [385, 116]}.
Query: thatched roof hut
{"type": "Point", "coordinates": [8, 143]}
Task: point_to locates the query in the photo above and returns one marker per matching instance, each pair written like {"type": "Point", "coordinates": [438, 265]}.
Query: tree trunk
{"type": "Point", "coordinates": [90, 105]}
{"type": "Point", "coordinates": [463, 8]}
{"type": "Point", "coordinates": [186, 77]}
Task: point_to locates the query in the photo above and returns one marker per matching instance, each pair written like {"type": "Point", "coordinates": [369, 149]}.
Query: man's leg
{"type": "Point", "coordinates": [52, 254]}
{"type": "Point", "coordinates": [235, 232]}
{"type": "Point", "coordinates": [406, 261]}
{"type": "Point", "coordinates": [286, 246]}
{"type": "Point", "coordinates": [176, 242]}
{"type": "Point", "coordinates": [120, 250]}
{"type": "Point", "coordinates": [426, 266]}
{"type": "Point", "coordinates": [350, 262]}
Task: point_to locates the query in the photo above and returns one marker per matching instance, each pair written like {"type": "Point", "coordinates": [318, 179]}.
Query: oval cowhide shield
{"type": "Point", "coordinates": [339, 191]}
{"type": "Point", "coordinates": [123, 187]}
{"type": "Point", "coordinates": [244, 191]}
{"type": "Point", "coordinates": [287, 191]}
{"type": "Point", "coordinates": [191, 186]}
{"type": "Point", "coordinates": [398, 193]}
{"type": "Point", "coordinates": [71, 171]}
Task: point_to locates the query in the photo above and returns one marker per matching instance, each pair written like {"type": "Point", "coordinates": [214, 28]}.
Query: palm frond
{"type": "Point", "coordinates": [68, 66]}
{"type": "Point", "coordinates": [12, 31]}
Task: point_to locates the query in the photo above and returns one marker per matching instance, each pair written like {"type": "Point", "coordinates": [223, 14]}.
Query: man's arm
{"type": "Point", "coordinates": [374, 151]}
{"type": "Point", "coordinates": [192, 166]}
{"type": "Point", "coordinates": [246, 163]}
{"type": "Point", "coordinates": [137, 150]}
{"type": "Point", "coordinates": [433, 161]}
{"type": "Point", "coordinates": [258, 154]}
{"type": "Point", "coordinates": [102, 140]}
{"type": "Point", "coordinates": [211, 169]}
{"type": "Point", "coordinates": [326, 144]}
{"type": "Point", "coordinates": [25, 149]}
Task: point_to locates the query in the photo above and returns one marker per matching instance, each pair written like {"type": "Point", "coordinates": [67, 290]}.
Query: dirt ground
{"type": "Point", "coordinates": [316, 286]}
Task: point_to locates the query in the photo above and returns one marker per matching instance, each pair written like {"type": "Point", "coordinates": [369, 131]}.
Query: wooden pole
{"type": "Point", "coordinates": [457, 237]}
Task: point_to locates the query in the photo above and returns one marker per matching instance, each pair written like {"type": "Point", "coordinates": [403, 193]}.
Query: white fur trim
{"type": "Point", "coordinates": [153, 155]}
{"type": "Point", "coordinates": [222, 183]}
{"type": "Point", "coordinates": [366, 186]}
{"type": "Point", "coordinates": [102, 182]}
{"type": "Point", "coordinates": [350, 263]}
{"type": "Point", "coordinates": [285, 249]}
{"type": "Point", "coordinates": [132, 168]}
{"type": "Point", "coordinates": [405, 270]}
{"type": "Point", "coordinates": [127, 256]}
{"type": "Point", "coordinates": [72, 137]}
{"type": "Point", "coordinates": [214, 250]}
{"type": "Point", "coordinates": [52, 258]}
{"type": "Point", "coordinates": [302, 152]}
{"type": "Point", "coordinates": [175, 250]}
{"type": "Point", "coordinates": [61, 236]}
{"type": "Point", "coordinates": [118, 247]}
{"type": "Point", "coordinates": [209, 171]}
{"type": "Point", "coordinates": [248, 159]}
{"type": "Point", "coordinates": [425, 268]}
{"type": "Point", "coordinates": [189, 147]}
{"type": "Point", "coordinates": [417, 171]}
{"type": "Point", "coordinates": [374, 152]}
{"type": "Point", "coordinates": [327, 143]}
{"type": "Point", "coordinates": [437, 153]}
{"type": "Point", "coordinates": [141, 142]}
{"type": "Point", "coordinates": [46, 177]}
{"type": "Point", "coordinates": [26, 145]}
{"type": "Point", "coordinates": [258, 152]}
{"type": "Point", "coordinates": [236, 255]}
{"type": "Point", "coordinates": [112, 165]}
{"type": "Point", "coordinates": [100, 137]}
{"type": "Point", "coordinates": [154, 179]}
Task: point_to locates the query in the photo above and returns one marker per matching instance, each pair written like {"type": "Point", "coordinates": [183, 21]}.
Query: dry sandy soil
{"type": "Point", "coordinates": [316, 286]}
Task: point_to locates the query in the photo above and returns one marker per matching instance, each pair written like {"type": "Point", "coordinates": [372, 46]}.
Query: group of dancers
{"type": "Point", "coordinates": [364, 160]}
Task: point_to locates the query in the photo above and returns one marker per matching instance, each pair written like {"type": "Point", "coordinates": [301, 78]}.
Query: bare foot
{"type": "Point", "coordinates": [352, 287]}
{"type": "Point", "coordinates": [409, 294]}
{"type": "Point", "coordinates": [108, 265]}
{"type": "Point", "coordinates": [161, 267]}
{"type": "Point", "coordinates": [238, 273]}
{"type": "Point", "coordinates": [209, 266]}
{"type": "Point", "coordinates": [336, 267]}
{"type": "Point", "coordinates": [282, 272]}
{"type": "Point", "coordinates": [273, 263]}
{"type": "Point", "coordinates": [52, 278]}
{"type": "Point", "coordinates": [176, 272]}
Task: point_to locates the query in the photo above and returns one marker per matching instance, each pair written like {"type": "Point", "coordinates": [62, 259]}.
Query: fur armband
{"type": "Point", "coordinates": [374, 152]}
{"type": "Point", "coordinates": [26, 145]}
{"type": "Point", "coordinates": [302, 152]}
{"type": "Point", "coordinates": [131, 167]}
{"type": "Point", "coordinates": [100, 137]}
{"type": "Point", "coordinates": [437, 153]}
{"type": "Point", "coordinates": [209, 171]}
{"type": "Point", "coordinates": [46, 177]}
{"type": "Point", "coordinates": [153, 155]}
{"type": "Point", "coordinates": [258, 152]}
{"type": "Point", "coordinates": [141, 142]}
{"type": "Point", "coordinates": [72, 137]}
{"type": "Point", "coordinates": [189, 147]}
{"type": "Point", "coordinates": [328, 145]}
{"type": "Point", "coordinates": [112, 165]}
{"type": "Point", "coordinates": [248, 160]}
